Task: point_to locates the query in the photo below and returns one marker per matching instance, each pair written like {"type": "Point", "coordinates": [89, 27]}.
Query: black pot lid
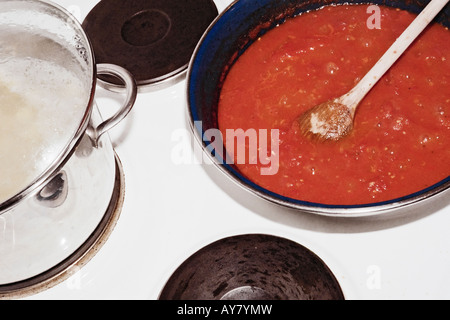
{"type": "Point", "coordinates": [153, 39]}
{"type": "Point", "coordinates": [253, 267]}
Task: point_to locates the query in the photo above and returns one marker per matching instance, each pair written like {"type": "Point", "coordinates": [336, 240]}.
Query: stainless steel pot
{"type": "Point", "coordinates": [50, 218]}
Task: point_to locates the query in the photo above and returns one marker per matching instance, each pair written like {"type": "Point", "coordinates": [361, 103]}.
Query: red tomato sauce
{"type": "Point", "coordinates": [401, 137]}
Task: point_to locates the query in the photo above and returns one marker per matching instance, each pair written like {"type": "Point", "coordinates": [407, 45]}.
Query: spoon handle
{"type": "Point", "coordinates": [354, 97]}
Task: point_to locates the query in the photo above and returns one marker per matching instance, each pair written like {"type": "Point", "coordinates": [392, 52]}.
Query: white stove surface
{"type": "Point", "coordinates": [172, 210]}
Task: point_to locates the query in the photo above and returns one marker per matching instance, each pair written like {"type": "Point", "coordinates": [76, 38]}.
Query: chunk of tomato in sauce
{"type": "Point", "coordinates": [401, 138]}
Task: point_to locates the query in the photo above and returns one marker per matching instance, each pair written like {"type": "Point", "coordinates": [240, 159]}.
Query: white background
{"type": "Point", "coordinates": [172, 210]}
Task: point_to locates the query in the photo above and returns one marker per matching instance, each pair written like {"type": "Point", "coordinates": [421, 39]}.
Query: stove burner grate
{"type": "Point", "coordinates": [253, 267]}
{"type": "Point", "coordinates": [153, 39]}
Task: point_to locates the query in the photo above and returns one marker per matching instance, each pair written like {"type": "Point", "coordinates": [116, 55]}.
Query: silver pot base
{"type": "Point", "coordinates": [70, 266]}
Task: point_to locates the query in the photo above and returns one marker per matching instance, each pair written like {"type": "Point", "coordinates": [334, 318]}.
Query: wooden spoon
{"type": "Point", "coordinates": [333, 119]}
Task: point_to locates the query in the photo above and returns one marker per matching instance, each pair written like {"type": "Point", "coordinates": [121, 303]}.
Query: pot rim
{"type": "Point", "coordinates": [344, 211]}
{"type": "Point", "coordinates": [63, 157]}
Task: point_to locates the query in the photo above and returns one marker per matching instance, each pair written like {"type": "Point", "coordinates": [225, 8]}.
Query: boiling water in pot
{"type": "Point", "coordinates": [42, 101]}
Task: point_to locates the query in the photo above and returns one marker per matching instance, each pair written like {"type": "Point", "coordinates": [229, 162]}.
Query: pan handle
{"type": "Point", "coordinates": [131, 94]}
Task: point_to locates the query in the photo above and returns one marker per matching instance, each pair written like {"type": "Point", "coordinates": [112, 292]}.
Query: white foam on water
{"type": "Point", "coordinates": [42, 103]}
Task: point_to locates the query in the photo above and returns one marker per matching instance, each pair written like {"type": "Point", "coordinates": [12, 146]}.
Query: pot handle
{"type": "Point", "coordinates": [131, 94]}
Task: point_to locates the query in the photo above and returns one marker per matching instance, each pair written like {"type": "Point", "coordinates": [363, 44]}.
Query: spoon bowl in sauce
{"type": "Point", "coordinates": [333, 120]}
